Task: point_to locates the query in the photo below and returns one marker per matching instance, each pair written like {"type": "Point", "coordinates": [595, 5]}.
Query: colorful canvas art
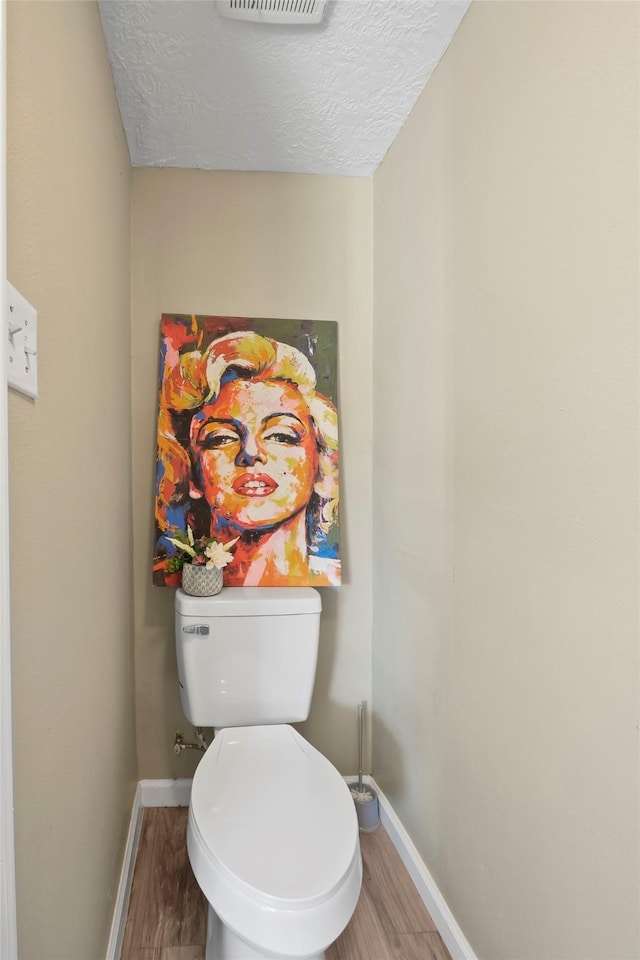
{"type": "Point", "coordinates": [248, 447]}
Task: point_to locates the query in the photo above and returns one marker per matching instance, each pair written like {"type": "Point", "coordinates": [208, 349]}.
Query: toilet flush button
{"type": "Point", "coordinates": [200, 629]}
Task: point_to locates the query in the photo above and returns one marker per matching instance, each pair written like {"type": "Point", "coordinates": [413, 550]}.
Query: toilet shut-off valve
{"type": "Point", "coordinates": [180, 745]}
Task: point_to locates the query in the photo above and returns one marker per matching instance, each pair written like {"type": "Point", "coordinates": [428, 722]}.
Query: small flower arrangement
{"type": "Point", "coordinates": [203, 552]}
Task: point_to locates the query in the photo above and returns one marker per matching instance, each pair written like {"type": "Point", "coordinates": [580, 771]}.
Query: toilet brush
{"type": "Point", "coordinates": [364, 797]}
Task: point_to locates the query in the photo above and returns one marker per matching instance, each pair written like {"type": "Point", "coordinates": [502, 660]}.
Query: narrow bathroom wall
{"type": "Point", "coordinates": [505, 469]}
{"type": "Point", "coordinates": [261, 245]}
{"type": "Point", "coordinates": [71, 578]}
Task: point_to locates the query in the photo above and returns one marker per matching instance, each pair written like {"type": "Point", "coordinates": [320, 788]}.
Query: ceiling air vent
{"type": "Point", "coordinates": [274, 11]}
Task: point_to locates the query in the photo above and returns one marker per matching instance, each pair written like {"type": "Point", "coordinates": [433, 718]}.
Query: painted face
{"type": "Point", "coordinates": [256, 452]}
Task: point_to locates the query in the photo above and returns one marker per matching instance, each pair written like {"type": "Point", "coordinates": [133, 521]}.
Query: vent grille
{"type": "Point", "coordinates": [274, 11]}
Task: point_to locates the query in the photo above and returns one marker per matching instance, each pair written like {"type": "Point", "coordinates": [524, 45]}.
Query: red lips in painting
{"type": "Point", "coordinates": [254, 485]}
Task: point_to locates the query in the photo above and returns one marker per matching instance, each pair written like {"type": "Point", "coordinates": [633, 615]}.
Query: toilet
{"type": "Point", "coordinates": [272, 834]}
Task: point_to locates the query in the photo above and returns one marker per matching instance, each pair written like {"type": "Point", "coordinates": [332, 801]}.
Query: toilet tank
{"type": "Point", "coordinates": [248, 655]}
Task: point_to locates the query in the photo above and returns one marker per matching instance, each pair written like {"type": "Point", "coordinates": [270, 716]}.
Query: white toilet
{"type": "Point", "coordinates": [273, 833]}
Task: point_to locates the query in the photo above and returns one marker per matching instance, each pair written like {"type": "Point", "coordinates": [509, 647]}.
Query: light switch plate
{"type": "Point", "coordinates": [22, 355]}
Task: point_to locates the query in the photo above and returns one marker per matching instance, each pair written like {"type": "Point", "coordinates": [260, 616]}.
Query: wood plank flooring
{"type": "Point", "coordinates": [167, 911]}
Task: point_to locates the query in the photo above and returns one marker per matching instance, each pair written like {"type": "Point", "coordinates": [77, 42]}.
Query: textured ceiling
{"type": "Point", "coordinates": [196, 90]}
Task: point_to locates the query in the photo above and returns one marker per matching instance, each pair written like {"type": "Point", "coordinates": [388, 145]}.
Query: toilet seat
{"type": "Point", "coordinates": [273, 839]}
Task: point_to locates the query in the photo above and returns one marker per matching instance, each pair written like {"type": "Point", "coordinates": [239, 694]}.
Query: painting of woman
{"type": "Point", "coordinates": [247, 448]}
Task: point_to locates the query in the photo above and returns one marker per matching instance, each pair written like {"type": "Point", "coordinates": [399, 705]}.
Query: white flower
{"type": "Point", "coordinates": [218, 554]}
{"type": "Point", "coordinates": [190, 535]}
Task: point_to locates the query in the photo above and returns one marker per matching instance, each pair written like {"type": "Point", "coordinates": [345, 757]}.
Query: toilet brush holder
{"type": "Point", "coordinates": [364, 797]}
{"type": "Point", "coordinates": [367, 809]}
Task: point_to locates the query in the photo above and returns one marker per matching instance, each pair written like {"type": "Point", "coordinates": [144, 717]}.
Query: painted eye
{"type": "Point", "coordinates": [212, 440]}
{"type": "Point", "coordinates": [279, 436]}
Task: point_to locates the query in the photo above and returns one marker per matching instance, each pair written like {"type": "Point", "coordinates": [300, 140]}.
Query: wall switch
{"type": "Point", "coordinates": [22, 355]}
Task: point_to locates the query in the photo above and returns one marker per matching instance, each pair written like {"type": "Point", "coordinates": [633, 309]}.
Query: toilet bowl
{"type": "Point", "coordinates": [273, 843]}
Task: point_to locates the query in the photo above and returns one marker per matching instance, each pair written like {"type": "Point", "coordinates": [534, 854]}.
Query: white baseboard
{"type": "Point", "coordinates": [165, 793]}
{"type": "Point", "coordinates": [176, 793]}
{"type": "Point", "coordinates": [116, 936]}
{"type": "Point", "coordinates": [446, 924]}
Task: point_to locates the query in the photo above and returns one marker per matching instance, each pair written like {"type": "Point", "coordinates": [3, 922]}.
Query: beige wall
{"type": "Point", "coordinates": [71, 600]}
{"type": "Point", "coordinates": [506, 479]}
{"type": "Point", "coordinates": [263, 245]}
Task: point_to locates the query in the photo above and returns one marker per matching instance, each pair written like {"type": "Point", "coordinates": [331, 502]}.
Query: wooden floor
{"type": "Point", "coordinates": [167, 911]}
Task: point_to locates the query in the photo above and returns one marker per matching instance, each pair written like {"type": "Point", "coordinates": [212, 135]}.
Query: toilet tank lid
{"type": "Point", "coordinates": [250, 602]}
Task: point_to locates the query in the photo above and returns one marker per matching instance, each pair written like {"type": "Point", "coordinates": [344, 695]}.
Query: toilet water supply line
{"type": "Point", "coordinates": [179, 744]}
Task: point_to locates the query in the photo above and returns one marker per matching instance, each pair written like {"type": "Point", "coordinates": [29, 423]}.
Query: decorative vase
{"type": "Point", "coordinates": [198, 581]}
